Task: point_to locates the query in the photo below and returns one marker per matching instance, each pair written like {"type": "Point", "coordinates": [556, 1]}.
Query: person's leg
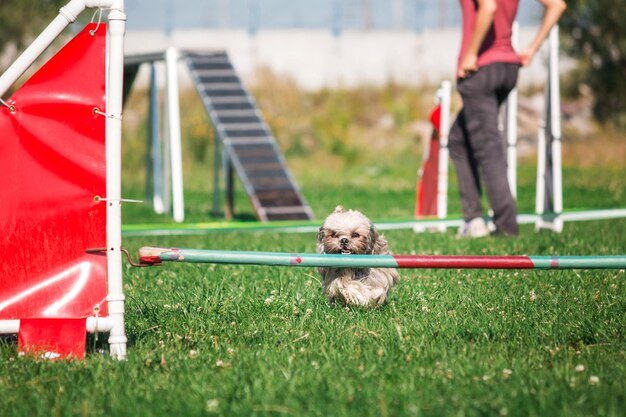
{"type": "Point", "coordinates": [466, 169]}
{"type": "Point", "coordinates": [480, 105]}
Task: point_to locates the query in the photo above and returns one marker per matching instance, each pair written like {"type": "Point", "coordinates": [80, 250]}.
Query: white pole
{"type": "Point", "coordinates": [555, 125]}
{"type": "Point", "coordinates": [67, 15]}
{"type": "Point", "coordinates": [166, 174]}
{"type": "Point", "coordinates": [445, 93]}
{"type": "Point", "coordinates": [173, 114]}
{"type": "Point", "coordinates": [540, 189]}
{"type": "Point", "coordinates": [155, 143]}
{"type": "Point", "coordinates": [115, 298]}
{"type": "Point", "coordinates": [541, 170]}
{"type": "Point", "coordinates": [511, 126]}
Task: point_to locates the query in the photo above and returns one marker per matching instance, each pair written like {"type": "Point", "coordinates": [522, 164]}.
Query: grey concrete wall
{"type": "Point", "coordinates": [316, 59]}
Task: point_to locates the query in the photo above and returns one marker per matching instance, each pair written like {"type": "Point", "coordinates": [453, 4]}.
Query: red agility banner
{"type": "Point", "coordinates": [53, 338]}
{"type": "Point", "coordinates": [52, 154]}
{"type": "Point", "coordinates": [426, 193]}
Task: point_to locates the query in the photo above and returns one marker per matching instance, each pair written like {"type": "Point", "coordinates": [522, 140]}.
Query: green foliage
{"type": "Point", "coordinates": [596, 35]}
{"type": "Point", "coordinates": [21, 20]}
{"type": "Point", "coordinates": [256, 341]}
{"type": "Point", "coordinates": [342, 126]}
{"type": "Point", "coordinates": [332, 125]}
{"type": "Point", "coordinates": [238, 340]}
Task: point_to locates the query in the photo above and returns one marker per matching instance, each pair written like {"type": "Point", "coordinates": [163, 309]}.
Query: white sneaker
{"type": "Point", "coordinates": [474, 228]}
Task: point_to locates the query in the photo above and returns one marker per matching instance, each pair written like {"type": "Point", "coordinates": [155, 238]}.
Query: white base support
{"type": "Point", "coordinates": [94, 325]}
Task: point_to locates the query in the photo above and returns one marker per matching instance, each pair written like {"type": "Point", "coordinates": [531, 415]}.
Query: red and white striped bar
{"type": "Point", "coordinates": [156, 256]}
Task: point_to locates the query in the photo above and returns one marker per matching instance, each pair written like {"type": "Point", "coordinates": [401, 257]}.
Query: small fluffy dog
{"type": "Point", "coordinates": [350, 232]}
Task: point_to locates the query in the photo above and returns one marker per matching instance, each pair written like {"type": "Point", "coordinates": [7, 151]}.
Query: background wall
{"type": "Point", "coordinates": [317, 59]}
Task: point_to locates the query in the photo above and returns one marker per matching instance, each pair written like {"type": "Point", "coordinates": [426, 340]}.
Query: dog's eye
{"type": "Point", "coordinates": [333, 234]}
{"type": "Point", "coordinates": [355, 235]}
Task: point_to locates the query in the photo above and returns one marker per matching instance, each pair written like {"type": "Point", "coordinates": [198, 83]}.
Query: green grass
{"type": "Point", "coordinates": [234, 340]}
{"type": "Point", "coordinates": [258, 341]}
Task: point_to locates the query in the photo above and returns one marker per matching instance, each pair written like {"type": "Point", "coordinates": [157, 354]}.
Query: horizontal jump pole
{"type": "Point", "coordinates": [156, 256]}
{"type": "Point", "coordinates": [293, 226]}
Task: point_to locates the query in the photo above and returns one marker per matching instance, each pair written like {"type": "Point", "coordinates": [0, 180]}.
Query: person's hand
{"type": "Point", "coordinates": [526, 56]}
{"type": "Point", "coordinates": [469, 65]}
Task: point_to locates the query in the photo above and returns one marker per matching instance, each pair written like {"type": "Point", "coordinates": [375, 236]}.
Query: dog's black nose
{"type": "Point", "coordinates": [344, 240]}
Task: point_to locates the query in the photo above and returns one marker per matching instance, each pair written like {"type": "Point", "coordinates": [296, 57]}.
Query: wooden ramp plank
{"type": "Point", "coordinates": [246, 138]}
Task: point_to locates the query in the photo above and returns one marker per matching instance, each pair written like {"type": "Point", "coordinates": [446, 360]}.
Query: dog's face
{"type": "Point", "coordinates": [347, 232]}
{"type": "Point", "coordinates": [350, 232]}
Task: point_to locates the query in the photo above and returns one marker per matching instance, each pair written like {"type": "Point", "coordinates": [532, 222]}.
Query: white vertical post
{"type": "Point", "coordinates": [540, 192]}
{"type": "Point", "coordinates": [173, 114]}
{"type": "Point", "coordinates": [511, 126]}
{"type": "Point", "coordinates": [166, 167]}
{"type": "Point", "coordinates": [550, 129]}
{"type": "Point", "coordinates": [115, 297]}
{"type": "Point", "coordinates": [445, 93]}
{"type": "Point", "coordinates": [555, 125]}
{"type": "Point", "coordinates": [154, 144]}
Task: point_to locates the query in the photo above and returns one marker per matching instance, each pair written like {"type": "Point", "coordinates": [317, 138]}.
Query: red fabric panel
{"type": "Point", "coordinates": [426, 193]}
{"type": "Point", "coordinates": [52, 154]}
{"type": "Point", "coordinates": [53, 338]}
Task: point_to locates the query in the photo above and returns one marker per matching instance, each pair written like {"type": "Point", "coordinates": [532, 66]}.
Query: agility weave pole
{"type": "Point", "coordinates": [156, 256]}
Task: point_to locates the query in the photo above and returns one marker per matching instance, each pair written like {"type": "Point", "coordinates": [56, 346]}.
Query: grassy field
{"type": "Point", "coordinates": [259, 341]}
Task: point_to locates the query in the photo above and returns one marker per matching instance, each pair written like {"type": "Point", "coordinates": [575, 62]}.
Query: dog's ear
{"type": "Point", "coordinates": [377, 241]}
{"type": "Point", "coordinates": [320, 240]}
{"type": "Point", "coordinates": [339, 209]}
{"type": "Point", "coordinates": [320, 234]}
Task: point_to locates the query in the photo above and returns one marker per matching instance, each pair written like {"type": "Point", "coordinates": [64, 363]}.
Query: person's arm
{"type": "Point", "coordinates": [554, 10]}
{"type": "Point", "coordinates": [484, 19]}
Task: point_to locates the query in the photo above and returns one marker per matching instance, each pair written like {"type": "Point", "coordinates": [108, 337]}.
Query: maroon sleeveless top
{"type": "Point", "coordinates": [496, 46]}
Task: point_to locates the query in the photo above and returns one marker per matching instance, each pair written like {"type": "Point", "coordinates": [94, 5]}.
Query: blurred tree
{"type": "Point", "coordinates": [22, 20]}
{"type": "Point", "coordinates": [594, 32]}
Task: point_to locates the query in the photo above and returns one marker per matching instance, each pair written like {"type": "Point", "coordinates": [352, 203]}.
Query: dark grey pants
{"type": "Point", "coordinates": [477, 148]}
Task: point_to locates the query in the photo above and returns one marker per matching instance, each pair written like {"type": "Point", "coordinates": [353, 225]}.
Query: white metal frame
{"type": "Point", "coordinates": [444, 96]}
{"type": "Point", "coordinates": [154, 177]}
{"type": "Point", "coordinates": [167, 166]}
{"type": "Point", "coordinates": [550, 218]}
{"type": "Point", "coordinates": [114, 322]}
{"type": "Point", "coordinates": [511, 125]}
{"type": "Point", "coordinates": [173, 133]}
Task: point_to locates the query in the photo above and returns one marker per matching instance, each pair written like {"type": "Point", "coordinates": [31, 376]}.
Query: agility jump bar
{"type": "Point", "coordinates": [156, 256]}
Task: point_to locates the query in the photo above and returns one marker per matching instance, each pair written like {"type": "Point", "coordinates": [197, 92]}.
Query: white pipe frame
{"type": "Point", "coordinates": [167, 169]}
{"type": "Point", "coordinates": [94, 325]}
{"type": "Point", "coordinates": [540, 188]}
{"type": "Point", "coordinates": [67, 15]}
{"type": "Point", "coordinates": [173, 126]}
{"type": "Point", "coordinates": [154, 142]}
{"type": "Point", "coordinates": [553, 111]}
{"type": "Point", "coordinates": [511, 126]}
{"type": "Point", "coordinates": [114, 322]}
{"type": "Point", "coordinates": [555, 123]}
{"type": "Point", "coordinates": [115, 79]}
{"type": "Point", "coordinates": [445, 94]}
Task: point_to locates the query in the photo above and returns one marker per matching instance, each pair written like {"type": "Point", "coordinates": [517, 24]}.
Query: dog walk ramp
{"type": "Point", "coordinates": [246, 138]}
